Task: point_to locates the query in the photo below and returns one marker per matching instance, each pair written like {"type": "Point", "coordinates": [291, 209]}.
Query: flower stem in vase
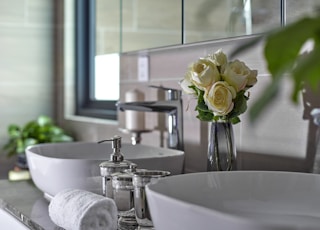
{"type": "Point", "coordinates": [221, 148]}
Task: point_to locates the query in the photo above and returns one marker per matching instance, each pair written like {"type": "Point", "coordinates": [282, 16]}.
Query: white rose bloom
{"type": "Point", "coordinates": [220, 97]}
{"type": "Point", "coordinates": [185, 83]}
{"type": "Point", "coordinates": [236, 74]}
{"type": "Point", "coordinates": [219, 58]}
{"type": "Point", "coordinates": [252, 78]}
{"type": "Point", "coordinates": [204, 73]}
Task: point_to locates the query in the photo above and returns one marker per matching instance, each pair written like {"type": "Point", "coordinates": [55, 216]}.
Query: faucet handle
{"type": "Point", "coordinates": [173, 94]}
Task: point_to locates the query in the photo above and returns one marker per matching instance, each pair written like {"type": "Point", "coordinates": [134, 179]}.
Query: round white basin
{"type": "Point", "coordinates": [58, 166]}
{"type": "Point", "coordinates": [242, 200]}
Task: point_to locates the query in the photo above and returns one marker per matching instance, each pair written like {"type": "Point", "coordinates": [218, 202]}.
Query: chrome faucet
{"type": "Point", "coordinates": [172, 106]}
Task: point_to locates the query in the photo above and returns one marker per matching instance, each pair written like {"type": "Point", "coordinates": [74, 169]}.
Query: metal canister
{"type": "Point", "coordinates": [107, 168]}
{"type": "Point", "coordinates": [140, 180]}
{"type": "Point", "coordinates": [122, 191]}
{"type": "Point", "coordinates": [123, 188]}
{"type": "Point", "coordinates": [123, 196]}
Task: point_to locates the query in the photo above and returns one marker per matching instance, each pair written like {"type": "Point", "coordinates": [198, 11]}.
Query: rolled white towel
{"type": "Point", "coordinates": [74, 209]}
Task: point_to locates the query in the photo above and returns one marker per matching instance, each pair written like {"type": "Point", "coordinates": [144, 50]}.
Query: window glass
{"type": "Point", "coordinates": [107, 78]}
{"type": "Point", "coordinates": [108, 47]}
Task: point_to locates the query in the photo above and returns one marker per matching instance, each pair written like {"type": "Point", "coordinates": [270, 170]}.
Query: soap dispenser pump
{"type": "Point", "coordinates": [116, 156]}
{"type": "Point", "coordinates": [115, 164]}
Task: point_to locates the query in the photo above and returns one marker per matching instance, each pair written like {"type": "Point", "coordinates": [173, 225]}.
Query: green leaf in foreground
{"type": "Point", "coordinates": [306, 70]}
{"type": "Point", "coordinates": [265, 99]}
{"type": "Point", "coordinates": [283, 46]}
{"type": "Point", "coordinates": [283, 56]}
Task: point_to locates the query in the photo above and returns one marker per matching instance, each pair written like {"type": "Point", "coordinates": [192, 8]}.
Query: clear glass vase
{"type": "Point", "coordinates": [222, 154]}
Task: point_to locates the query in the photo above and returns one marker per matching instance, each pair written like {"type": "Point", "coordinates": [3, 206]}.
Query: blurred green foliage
{"type": "Point", "coordinates": [41, 130]}
{"type": "Point", "coordinates": [282, 52]}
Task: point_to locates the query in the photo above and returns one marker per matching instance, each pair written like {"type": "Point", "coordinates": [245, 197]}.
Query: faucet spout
{"type": "Point", "coordinates": [172, 106]}
{"type": "Point", "coordinates": [148, 106]}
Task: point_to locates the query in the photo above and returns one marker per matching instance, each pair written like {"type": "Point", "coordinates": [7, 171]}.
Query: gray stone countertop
{"type": "Point", "coordinates": [26, 200]}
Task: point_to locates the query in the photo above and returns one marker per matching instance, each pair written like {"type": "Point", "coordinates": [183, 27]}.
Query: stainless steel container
{"type": "Point", "coordinates": [123, 188]}
{"type": "Point", "coordinates": [122, 191]}
{"type": "Point", "coordinates": [140, 180]}
{"type": "Point", "coordinates": [123, 197]}
{"type": "Point", "coordinates": [108, 168]}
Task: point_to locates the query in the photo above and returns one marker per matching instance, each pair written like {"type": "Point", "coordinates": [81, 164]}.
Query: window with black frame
{"type": "Point", "coordinates": [93, 77]}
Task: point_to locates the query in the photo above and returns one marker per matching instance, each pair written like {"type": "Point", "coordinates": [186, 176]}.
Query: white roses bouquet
{"type": "Point", "coordinates": [220, 87]}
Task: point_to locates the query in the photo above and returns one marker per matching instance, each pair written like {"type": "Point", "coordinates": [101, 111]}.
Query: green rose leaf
{"type": "Point", "coordinates": [240, 105]}
{"type": "Point", "coordinates": [235, 120]}
{"type": "Point", "coordinates": [204, 114]}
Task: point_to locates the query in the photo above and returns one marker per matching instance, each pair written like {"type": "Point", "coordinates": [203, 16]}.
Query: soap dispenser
{"type": "Point", "coordinates": [115, 164]}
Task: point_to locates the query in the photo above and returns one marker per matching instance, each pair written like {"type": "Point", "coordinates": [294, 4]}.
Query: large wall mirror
{"type": "Point", "coordinates": [131, 25]}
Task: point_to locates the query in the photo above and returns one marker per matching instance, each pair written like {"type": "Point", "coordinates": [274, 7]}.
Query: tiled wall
{"type": "Point", "coordinates": [277, 142]}
{"type": "Point", "coordinates": [279, 132]}
{"type": "Point", "coordinates": [26, 65]}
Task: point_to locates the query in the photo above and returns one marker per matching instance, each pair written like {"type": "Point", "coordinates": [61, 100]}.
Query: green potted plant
{"type": "Point", "coordinates": [41, 130]}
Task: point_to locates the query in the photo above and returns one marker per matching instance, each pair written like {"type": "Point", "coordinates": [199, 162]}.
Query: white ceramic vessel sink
{"type": "Point", "coordinates": [55, 167]}
{"type": "Point", "coordinates": [242, 200]}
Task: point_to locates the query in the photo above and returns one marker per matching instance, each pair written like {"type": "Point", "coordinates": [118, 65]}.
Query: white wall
{"type": "Point", "coordinates": [26, 65]}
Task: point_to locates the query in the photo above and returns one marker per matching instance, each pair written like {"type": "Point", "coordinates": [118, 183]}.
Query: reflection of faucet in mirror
{"type": "Point", "coordinates": [172, 106]}
{"type": "Point", "coordinates": [311, 101]}
{"type": "Point", "coordinates": [241, 12]}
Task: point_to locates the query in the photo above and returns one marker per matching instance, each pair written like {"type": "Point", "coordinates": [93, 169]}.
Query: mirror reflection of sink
{"type": "Point", "coordinates": [7, 221]}
{"type": "Point", "coordinates": [242, 200]}
{"type": "Point", "coordinates": [58, 166]}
